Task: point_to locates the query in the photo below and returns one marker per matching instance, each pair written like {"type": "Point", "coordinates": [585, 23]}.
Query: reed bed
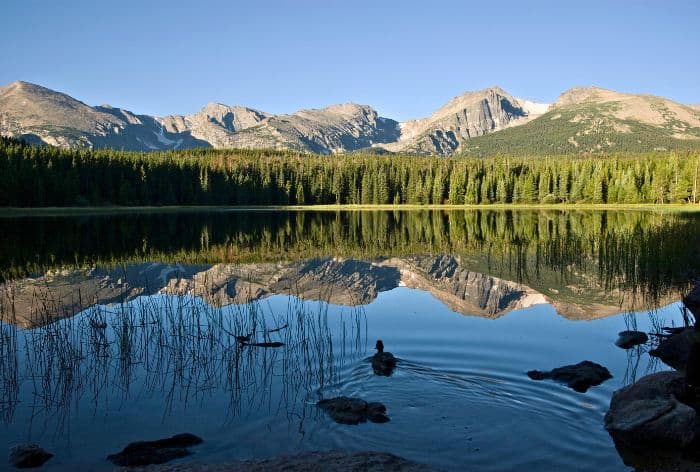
{"type": "Point", "coordinates": [184, 349]}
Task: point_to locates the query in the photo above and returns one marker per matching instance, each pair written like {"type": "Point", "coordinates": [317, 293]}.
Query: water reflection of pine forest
{"type": "Point", "coordinates": [243, 320]}
{"type": "Point", "coordinates": [644, 251]}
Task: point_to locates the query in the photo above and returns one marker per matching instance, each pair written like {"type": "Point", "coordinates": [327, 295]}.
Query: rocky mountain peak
{"type": "Point", "coordinates": [233, 118]}
{"type": "Point", "coordinates": [22, 86]}
{"type": "Point", "coordinates": [612, 107]}
{"type": "Point", "coordinates": [471, 98]}
{"type": "Point", "coordinates": [343, 111]}
{"type": "Point", "coordinates": [471, 114]}
{"type": "Point", "coordinates": [349, 108]}
{"type": "Point", "coordinates": [579, 94]}
{"type": "Point", "coordinates": [34, 94]}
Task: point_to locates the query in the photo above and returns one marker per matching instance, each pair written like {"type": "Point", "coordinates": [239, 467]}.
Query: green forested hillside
{"type": "Point", "coordinates": [47, 176]}
{"type": "Point", "coordinates": [587, 128]}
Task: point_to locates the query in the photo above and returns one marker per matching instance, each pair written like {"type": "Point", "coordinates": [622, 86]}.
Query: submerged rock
{"type": "Point", "coordinates": [629, 339]}
{"type": "Point", "coordinates": [383, 363]}
{"type": "Point", "coordinates": [347, 410]}
{"type": "Point", "coordinates": [673, 351]}
{"type": "Point", "coordinates": [579, 377]}
{"type": "Point", "coordinates": [155, 452]}
{"type": "Point", "coordinates": [268, 345]}
{"type": "Point", "coordinates": [317, 461]}
{"type": "Point", "coordinates": [28, 456]}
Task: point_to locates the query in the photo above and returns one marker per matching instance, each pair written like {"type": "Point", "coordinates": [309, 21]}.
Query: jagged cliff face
{"type": "Point", "coordinates": [466, 116]}
{"type": "Point", "coordinates": [215, 123]}
{"type": "Point", "coordinates": [55, 295]}
{"type": "Point", "coordinates": [338, 128]}
{"type": "Point", "coordinates": [463, 290]}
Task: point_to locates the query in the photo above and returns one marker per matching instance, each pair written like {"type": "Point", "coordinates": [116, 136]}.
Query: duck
{"type": "Point", "coordinates": [383, 363]}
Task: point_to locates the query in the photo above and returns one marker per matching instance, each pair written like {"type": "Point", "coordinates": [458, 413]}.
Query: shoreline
{"type": "Point", "coordinates": [106, 210]}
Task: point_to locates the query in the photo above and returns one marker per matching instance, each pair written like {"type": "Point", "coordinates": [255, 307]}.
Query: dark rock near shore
{"type": "Point", "coordinates": [155, 452]}
{"type": "Point", "coordinates": [692, 301]}
{"type": "Point", "coordinates": [673, 351]}
{"type": "Point", "coordinates": [654, 423]}
{"type": "Point", "coordinates": [347, 410]}
{"type": "Point", "coordinates": [650, 412]}
{"type": "Point", "coordinates": [579, 377]}
{"type": "Point", "coordinates": [629, 339]}
{"type": "Point", "coordinates": [28, 456]}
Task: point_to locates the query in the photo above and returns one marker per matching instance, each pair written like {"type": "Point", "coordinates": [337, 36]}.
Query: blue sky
{"type": "Point", "coordinates": [405, 58]}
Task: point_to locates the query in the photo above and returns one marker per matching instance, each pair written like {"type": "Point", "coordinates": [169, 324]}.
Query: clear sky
{"type": "Point", "coordinates": [405, 58]}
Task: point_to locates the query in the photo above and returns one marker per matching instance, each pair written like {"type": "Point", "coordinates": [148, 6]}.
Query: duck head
{"type": "Point", "coordinates": [379, 346]}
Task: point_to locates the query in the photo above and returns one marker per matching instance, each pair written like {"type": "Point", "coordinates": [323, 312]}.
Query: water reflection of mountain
{"type": "Point", "coordinates": [588, 263]}
{"type": "Point", "coordinates": [36, 301]}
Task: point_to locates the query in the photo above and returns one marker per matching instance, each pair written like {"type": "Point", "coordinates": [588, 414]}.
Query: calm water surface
{"type": "Point", "coordinates": [122, 327]}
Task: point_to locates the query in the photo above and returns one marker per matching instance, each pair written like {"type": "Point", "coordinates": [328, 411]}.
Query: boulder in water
{"type": "Point", "coordinates": [673, 351]}
{"type": "Point", "coordinates": [28, 456]}
{"type": "Point", "coordinates": [629, 339]}
{"type": "Point", "coordinates": [579, 377]}
{"type": "Point", "coordinates": [653, 425]}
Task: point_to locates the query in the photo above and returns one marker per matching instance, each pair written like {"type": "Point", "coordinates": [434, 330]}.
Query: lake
{"type": "Point", "coordinates": [130, 326]}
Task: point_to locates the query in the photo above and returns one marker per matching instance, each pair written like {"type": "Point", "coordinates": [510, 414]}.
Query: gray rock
{"type": "Point", "coordinates": [579, 377]}
{"type": "Point", "coordinates": [28, 456]}
{"type": "Point", "coordinates": [347, 410]}
{"type": "Point", "coordinates": [650, 412]}
{"type": "Point", "coordinates": [629, 339]}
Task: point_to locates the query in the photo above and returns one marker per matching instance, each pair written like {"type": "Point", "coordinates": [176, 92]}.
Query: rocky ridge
{"type": "Point", "coordinates": [484, 122]}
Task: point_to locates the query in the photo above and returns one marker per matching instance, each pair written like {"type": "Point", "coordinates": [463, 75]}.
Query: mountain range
{"type": "Point", "coordinates": [480, 123]}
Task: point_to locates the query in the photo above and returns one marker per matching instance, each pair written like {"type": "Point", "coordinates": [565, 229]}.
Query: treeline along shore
{"type": "Point", "coordinates": [43, 176]}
